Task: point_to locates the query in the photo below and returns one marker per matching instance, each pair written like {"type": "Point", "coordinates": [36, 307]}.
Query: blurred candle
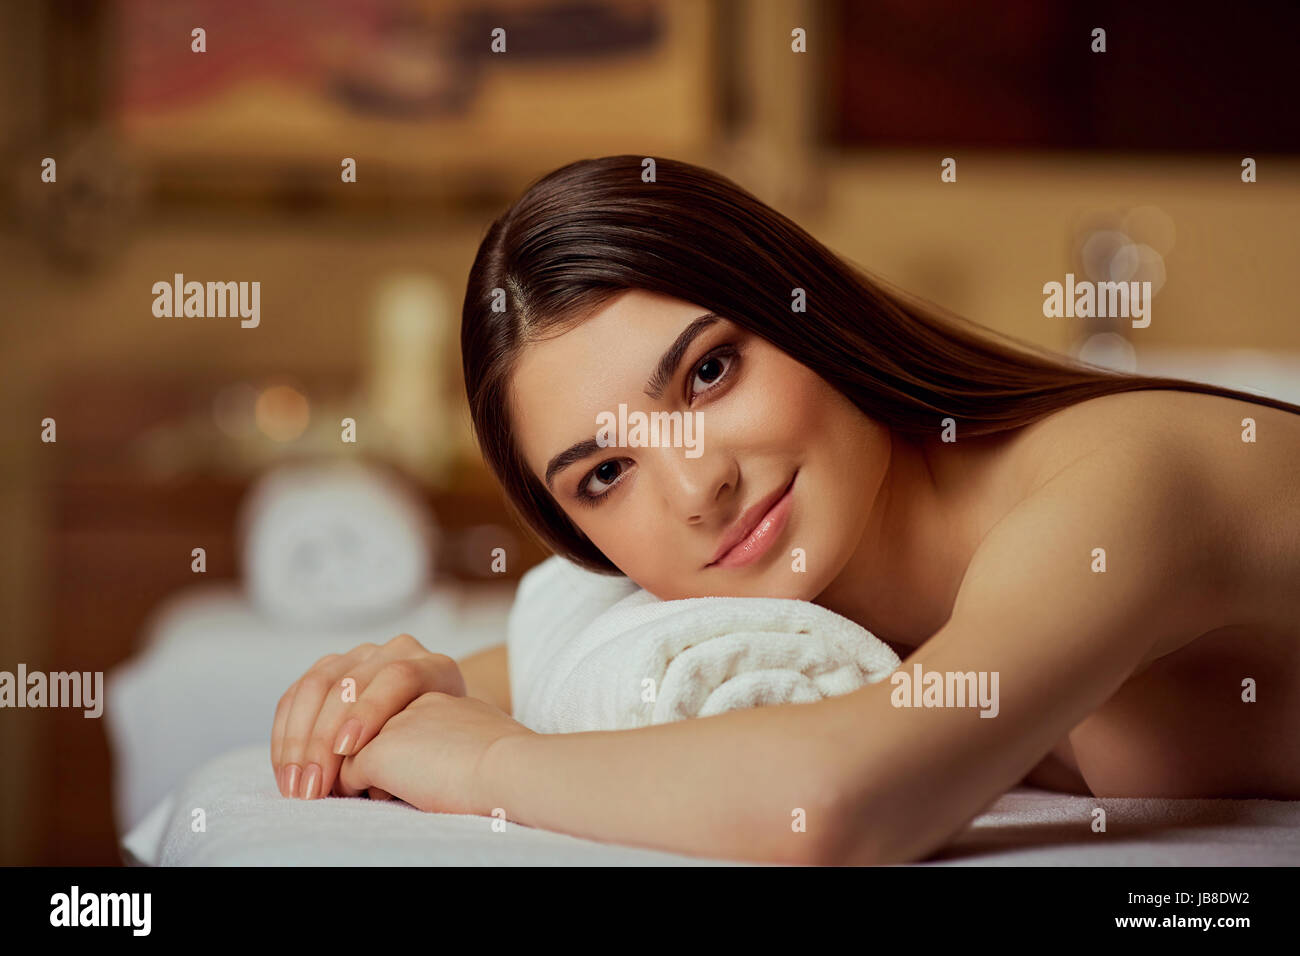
{"type": "Point", "coordinates": [410, 334]}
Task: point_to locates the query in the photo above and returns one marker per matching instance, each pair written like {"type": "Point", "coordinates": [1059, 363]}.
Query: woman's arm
{"type": "Point", "coordinates": [744, 785]}
{"type": "Point", "coordinates": [487, 676]}
{"type": "Point", "coordinates": [879, 783]}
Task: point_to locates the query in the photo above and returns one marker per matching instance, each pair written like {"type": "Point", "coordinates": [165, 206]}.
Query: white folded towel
{"type": "Point", "coordinates": [554, 602]}
{"type": "Point", "coordinates": [645, 661]}
{"type": "Point", "coordinates": [335, 544]}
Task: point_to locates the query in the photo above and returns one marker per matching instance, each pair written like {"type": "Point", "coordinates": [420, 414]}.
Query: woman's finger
{"type": "Point", "coordinates": [298, 778]}
{"type": "Point", "coordinates": [281, 719]}
{"type": "Point", "coordinates": [351, 780]}
{"type": "Point", "coordinates": [277, 731]}
{"type": "Point", "coordinates": [343, 729]}
{"type": "Point", "coordinates": [284, 708]}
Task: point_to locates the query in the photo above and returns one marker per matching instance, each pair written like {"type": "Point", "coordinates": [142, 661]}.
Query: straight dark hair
{"type": "Point", "coordinates": [592, 229]}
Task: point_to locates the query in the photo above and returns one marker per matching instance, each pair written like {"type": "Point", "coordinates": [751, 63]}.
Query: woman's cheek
{"type": "Point", "coordinates": [759, 411]}
{"type": "Point", "coordinates": [628, 538]}
{"type": "Point", "coordinates": [792, 400]}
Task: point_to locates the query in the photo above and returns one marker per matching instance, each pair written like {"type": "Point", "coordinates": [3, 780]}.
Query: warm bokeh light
{"type": "Point", "coordinates": [1109, 350]}
{"type": "Point", "coordinates": [1152, 226]}
{"type": "Point", "coordinates": [1150, 267]}
{"type": "Point", "coordinates": [1108, 255]}
{"type": "Point", "coordinates": [1113, 255]}
{"type": "Point", "coordinates": [282, 413]}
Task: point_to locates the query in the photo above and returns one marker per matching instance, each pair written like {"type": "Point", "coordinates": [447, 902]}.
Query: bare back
{"type": "Point", "coordinates": [1184, 724]}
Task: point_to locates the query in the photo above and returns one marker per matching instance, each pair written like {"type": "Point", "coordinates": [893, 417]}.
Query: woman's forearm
{"type": "Point", "coordinates": [487, 676]}
{"type": "Point", "coordinates": [754, 784]}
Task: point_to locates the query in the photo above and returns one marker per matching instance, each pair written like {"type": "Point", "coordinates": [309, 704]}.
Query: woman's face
{"type": "Point", "coordinates": [662, 507]}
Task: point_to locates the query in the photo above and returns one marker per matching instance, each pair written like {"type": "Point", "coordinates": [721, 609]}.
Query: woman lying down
{"type": "Point", "coordinates": [1116, 555]}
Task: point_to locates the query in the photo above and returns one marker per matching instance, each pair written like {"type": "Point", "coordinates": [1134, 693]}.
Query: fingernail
{"type": "Point", "coordinates": [291, 780]}
{"type": "Point", "coordinates": [348, 736]}
{"type": "Point", "coordinates": [310, 781]}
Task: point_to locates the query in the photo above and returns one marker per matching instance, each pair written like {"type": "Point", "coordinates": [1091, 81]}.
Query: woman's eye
{"type": "Point", "coordinates": [711, 370]}
{"type": "Point", "coordinates": [603, 477]}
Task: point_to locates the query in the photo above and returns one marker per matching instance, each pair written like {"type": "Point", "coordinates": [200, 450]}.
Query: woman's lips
{"type": "Point", "coordinates": [755, 544]}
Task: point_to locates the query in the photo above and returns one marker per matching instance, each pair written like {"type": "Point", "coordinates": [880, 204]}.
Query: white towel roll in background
{"type": "Point", "coordinates": [335, 544]}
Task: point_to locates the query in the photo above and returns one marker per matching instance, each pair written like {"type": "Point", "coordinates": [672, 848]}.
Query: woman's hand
{"type": "Point", "coordinates": [343, 701]}
{"type": "Point", "coordinates": [431, 755]}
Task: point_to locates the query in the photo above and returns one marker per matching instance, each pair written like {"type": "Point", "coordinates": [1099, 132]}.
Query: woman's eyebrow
{"type": "Point", "coordinates": [571, 454]}
{"type": "Point", "coordinates": [665, 368]}
{"type": "Point", "coordinates": [669, 361]}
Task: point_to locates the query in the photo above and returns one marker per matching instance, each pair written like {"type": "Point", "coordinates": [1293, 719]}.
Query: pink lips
{"type": "Point", "coordinates": [762, 533]}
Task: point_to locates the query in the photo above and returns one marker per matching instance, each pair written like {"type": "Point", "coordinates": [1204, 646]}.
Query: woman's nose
{"type": "Point", "coordinates": [696, 487]}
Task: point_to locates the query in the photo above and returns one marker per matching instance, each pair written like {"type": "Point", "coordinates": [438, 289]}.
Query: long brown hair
{"type": "Point", "coordinates": [592, 229]}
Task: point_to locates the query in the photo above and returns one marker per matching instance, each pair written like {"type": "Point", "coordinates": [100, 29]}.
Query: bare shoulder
{"type": "Point", "coordinates": [1129, 508]}
{"type": "Point", "coordinates": [1202, 426]}
{"type": "Point", "coordinates": [1229, 462]}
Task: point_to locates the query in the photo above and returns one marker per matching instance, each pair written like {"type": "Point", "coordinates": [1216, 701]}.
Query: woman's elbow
{"type": "Point", "coordinates": [863, 833]}
{"type": "Point", "coordinates": [803, 826]}
{"type": "Point", "coordinates": [856, 843]}
{"type": "Point", "coordinates": [835, 831]}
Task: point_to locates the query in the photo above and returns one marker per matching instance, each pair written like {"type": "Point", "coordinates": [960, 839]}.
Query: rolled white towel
{"type": "Point", "coordinates": [645, 661]}
{"type": "Point", "coordinates": [554, 602]}
{"type": "Point", "coordinates": [335, 544]}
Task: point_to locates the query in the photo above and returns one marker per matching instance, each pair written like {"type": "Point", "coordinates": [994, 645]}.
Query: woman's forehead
{"type": "Point", "coordinates": [627, 334]}
{"type": "Point", "coordinates": [561, 383]}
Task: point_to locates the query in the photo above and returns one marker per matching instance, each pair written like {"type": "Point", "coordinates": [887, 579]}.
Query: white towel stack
{"type": "Point", "coordinates": [643, 661]}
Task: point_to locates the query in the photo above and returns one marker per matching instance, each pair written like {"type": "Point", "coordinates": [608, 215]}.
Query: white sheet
{"type": "Point", "coordinates": [212, 668]}
{"type": "Point", "coordinates": [250, 824]}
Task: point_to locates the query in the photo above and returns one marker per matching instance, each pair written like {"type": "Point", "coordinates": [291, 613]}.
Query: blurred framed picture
{"type": "Point", "coordinates": [260, 95]}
